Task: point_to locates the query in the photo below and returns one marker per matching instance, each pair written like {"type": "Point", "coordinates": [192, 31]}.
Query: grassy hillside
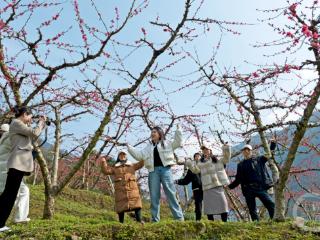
{"type": "Point", "coordinates": [89, 215]}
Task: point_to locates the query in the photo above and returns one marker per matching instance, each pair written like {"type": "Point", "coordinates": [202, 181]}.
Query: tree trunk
{"type": "Point", "coordinates": [35, 174]}
{"type": "Point", "coordinates": [55, 167]}
{"type": "Point", "coordinates": [298, 135]}
{"type": "Point", "coordinates": [48, 211]}
{"type": "Point", "coordinates": [280, 207]}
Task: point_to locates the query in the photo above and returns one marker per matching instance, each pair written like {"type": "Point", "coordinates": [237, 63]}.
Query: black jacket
{"type": "Point", "coordinates": [253, 173]}
{"type": "Point", "coordinates": [195, 179]}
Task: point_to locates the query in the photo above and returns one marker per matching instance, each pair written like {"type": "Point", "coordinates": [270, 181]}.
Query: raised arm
{"type": "Point", "coordinates": [268, 158]}
{"type": "Point", "coordinates": [105, 168]}
{"type": "Point", "coordinates": [138, 165]}
{"type": "Point", "coordinates": [177, 141]}
{"type": "Point", "coordinates": [193, 166]}
{"type": "Point", "coordinates": [139, 155]}
{"type": "Point", "coordinates": [18, 127]}
{"type": "Point", "coordinates": [226, 154]}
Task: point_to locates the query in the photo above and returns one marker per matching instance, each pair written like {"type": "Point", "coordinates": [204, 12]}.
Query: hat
{"type": "Point", "coordinates": [4, 128]}
{"type": "Point", "coordinates": [205, 146]}
{"type": "Point", "coordinates": [247, 146]}
{"type": "Point", "coordinates": [122, 152]}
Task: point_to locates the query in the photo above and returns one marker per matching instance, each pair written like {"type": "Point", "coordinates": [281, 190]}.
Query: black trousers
{"type": "Point", "coordinates": [198, 198]}
{"type": "Point", "coordinates": [9, 194]}
{"type": "Point", "coordinates": [224, 217]}
{"type": "Point", "coordinates": [137, 213]}
{"type": "Point", "coordinates": [250, 196]}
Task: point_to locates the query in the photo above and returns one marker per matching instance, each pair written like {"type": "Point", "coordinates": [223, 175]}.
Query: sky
{"type": "Point", "coordinates": [234, 51]}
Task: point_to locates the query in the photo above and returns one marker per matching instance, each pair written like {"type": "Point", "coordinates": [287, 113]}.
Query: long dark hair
{"type": "Point", "coordinates": [20, 110]}
{"type": "Point", "coordinates": [161, 134]}
{"type": "Point", "coordinates": [214, 159]}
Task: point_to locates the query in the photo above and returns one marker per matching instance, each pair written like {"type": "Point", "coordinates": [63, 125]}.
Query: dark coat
{"type": "Point", "coordinates": [193, 178]}
{"type": "Point", "coordinates": [253, 173]}
{"type": "Point", "coordinates": [127, 194]}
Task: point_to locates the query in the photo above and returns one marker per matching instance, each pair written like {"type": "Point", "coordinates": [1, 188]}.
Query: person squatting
{"type": "Point", "coordinates": [206, 172]}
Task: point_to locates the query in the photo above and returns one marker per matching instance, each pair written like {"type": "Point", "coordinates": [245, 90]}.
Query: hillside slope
{"type": "Point", "coordinates": [90, 215]}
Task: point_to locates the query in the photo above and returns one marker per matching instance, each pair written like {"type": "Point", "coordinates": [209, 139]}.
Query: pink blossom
{"type": "Point", "coordinates": [2, 24]}
{"type": "Point", "coordinates": [143, 31]}
{"type": "Point", "coordinates": [255, 74]}
{"type": "Point", "coordinates": [240, 110]}
{"type": "Point", "coordinates": [315, 35]}
{"type": "Point", "coordinates": [289, 34]}
{"type": "Point", "coordinates": [306, 31]}
{"type": "Point", "coordinates": [287, 68]}
{"type": "Point", "coordinates": [293, 9]}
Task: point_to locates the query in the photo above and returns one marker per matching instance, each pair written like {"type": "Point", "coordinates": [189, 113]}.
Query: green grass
{"type": "Point", "coordinates": [89, 215]}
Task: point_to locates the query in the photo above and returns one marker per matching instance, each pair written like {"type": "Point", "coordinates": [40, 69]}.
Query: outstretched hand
{"type": "Point", "coordinates": [273, 144]}
{"type": "Point", "coordinates": [105, 159]}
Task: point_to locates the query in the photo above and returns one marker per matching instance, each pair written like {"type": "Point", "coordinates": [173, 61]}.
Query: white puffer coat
{"type": "Point", "coordinates": [166, 153]}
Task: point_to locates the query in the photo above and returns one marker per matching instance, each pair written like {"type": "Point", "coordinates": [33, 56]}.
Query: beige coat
{"type": "Point", "coordinates": [21, 137]}
{"type": "Point", "coordinates": [212, 174]}
{"type": "Point", "coordinates": [127, 194]}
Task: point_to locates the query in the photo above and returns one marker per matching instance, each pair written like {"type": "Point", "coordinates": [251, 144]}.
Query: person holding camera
{"type": "Point", "coordinates": [127, 193]}
{"type": "Point", "coordinates": [254, 178]}
{"type": "Point", "coordinates": [22, 202]}
{"type": "Point", "coordinates": [20, 161]}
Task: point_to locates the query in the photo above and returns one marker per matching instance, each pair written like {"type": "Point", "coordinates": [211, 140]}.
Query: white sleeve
{"type": "Point", "coordinates": [226, 154]}
{"type": "Point", "coordinates": [192, 166]}
{"type": "Point", "coordinates": [177, 141]}
{"type": "Point", "coordinates": [139, 155]}
{"type": "Point", "coordinates": [18, 127]}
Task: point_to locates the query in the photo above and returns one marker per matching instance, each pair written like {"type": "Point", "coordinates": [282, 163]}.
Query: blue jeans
{"type": "Point", "coordinates": [163, 175]}
{"type": "Point", "coordinates": [251, 195]}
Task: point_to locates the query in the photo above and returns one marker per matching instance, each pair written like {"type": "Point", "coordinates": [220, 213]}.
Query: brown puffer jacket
{"type": "Point", "coordinates": [127, 194]}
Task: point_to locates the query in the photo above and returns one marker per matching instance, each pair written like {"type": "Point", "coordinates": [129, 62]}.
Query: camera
{"type": "Point", "coordinates": [48, 121]}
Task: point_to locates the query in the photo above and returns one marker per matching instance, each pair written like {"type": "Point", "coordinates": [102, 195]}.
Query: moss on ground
{"type": "Point", "coordinates": [89, 215]}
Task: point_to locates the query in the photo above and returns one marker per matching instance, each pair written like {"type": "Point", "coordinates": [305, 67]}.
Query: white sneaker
{"type": "Point", "coordinates": [5, 228]}
{"type": "Point", "coordinates": [23, 221]}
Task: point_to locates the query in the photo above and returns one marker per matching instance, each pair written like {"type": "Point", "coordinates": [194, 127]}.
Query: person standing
{"type": "Point", "coordinates": [5, 147]}
{"type": "Point", "coordinates": [4, 129]}
{"type": "Point", "coordinates": [253, 176]}
{"type": "Point", "coordinates": [127, 193]}
{"type": "Point", "coordinates": [20, 161]}
{"type": "Point", "coordinates": [158, 157]}
{"type": "Point", "coordinates": [195, 180]}
{"type": "Point", "coordinates": [213, 178]}
{"type": "Point", "coordinates": [23, 198]}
